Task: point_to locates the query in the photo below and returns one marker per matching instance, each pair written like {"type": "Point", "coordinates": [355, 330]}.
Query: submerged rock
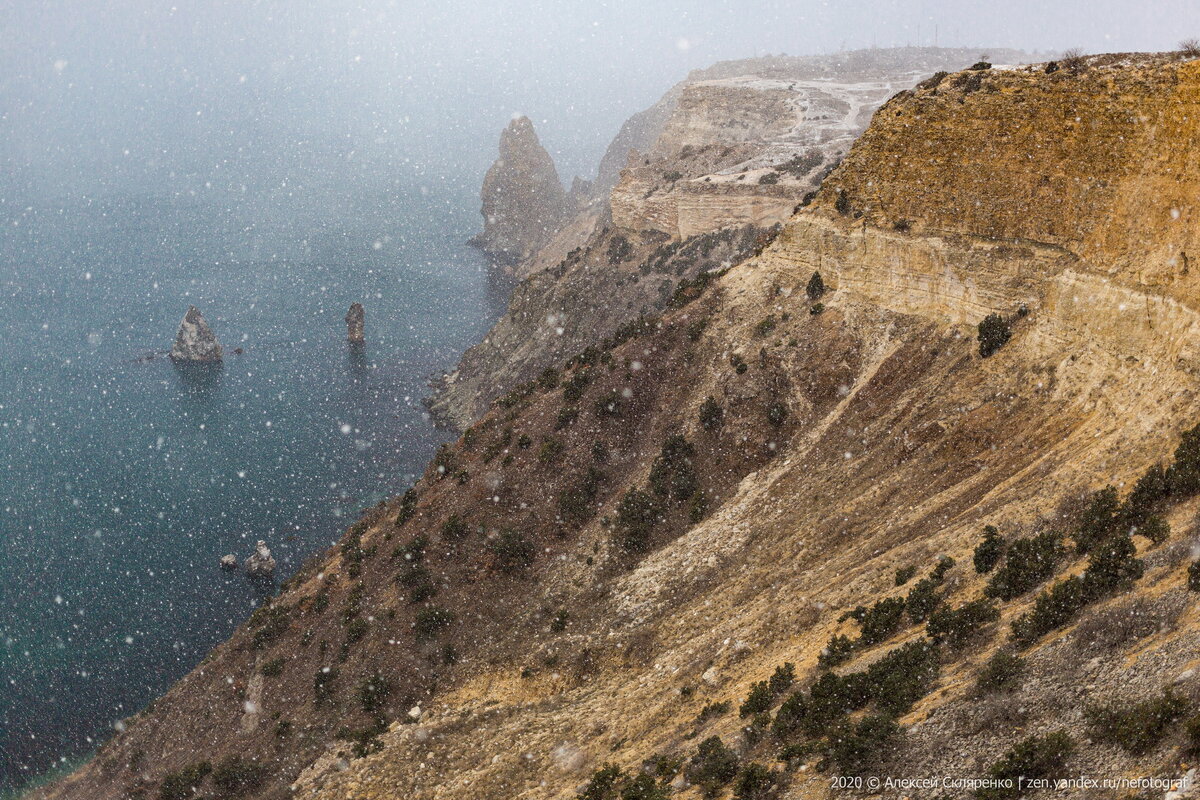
{"type": "Point", "coordinates": [195, 340]}
{"type": "Point", "coordinates": [229, 562]}
{"type": "Point", "coordinates": [261, 564]}
{"type": "Point", "coordinates": [354, 323]}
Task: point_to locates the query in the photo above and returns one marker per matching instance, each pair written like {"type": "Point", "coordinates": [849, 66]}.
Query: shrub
{"type": "Point", "coordinates": [713, 710]}
{"type": "Point", "coordinates": [454, 528]}
{"type": "Point", "coordinates": [1029, 562]}
{"type": "Point", "coordinates": [903, 676]}
{"type": "Point", "coordinates": [1073, 60]}
{"type": "Point", "coordinates": [782, 679]}
{"type": "Point", "coordinates": [373, 691]}
{"type": "Point", "coordinates": [988, 552]}
{"type": "Point", "coordinates": [815, 289]}
{"type": "Point", "coordinates": [608, 405]}
{"type": "Point", "coordinates": [777, 414]}
{"type": "Point", "coordinates": [356, 629]}
{"type": "Point", "coordinates": [324, 682]}
{"type": "Point", "coordinates": [1192, 729]}
{"type": "Point", "coordinates": [790, 716]}
{"type": "Point", "coordinates": [408, 506]}
{"type": "Point", "coordinates": [922, 599]}
{"type": "Point", "coordinates": [273, 668]}
{"type": "Point", "coordinates": [550, 451]}
{"type": "Point", "coordinates": [619, 249]}
{"type": "Point", "coordinates": [672, 474]}
{"type": "Point", "coordinates": [766, 325]}
{"type": "Point", "coordinates": [577, 502]}
{"type": "Point", "coordinates": [413, 552]}
{"type": "Point", "coordinates": [755, 782]}
{"type": "Point", "coordinates": [1035, 757]}
{"type": "Point", "coordinates": [1193, 582]}
{"type": "Point", "coordinates": [905, 574]}
{"type": "Point", "coordinates": [1099, 519]}
{"type": "Point", "coordinates": [432, 621]}
{"type": "Point", "coordinates": [839, 650]}
{"type": "Point", "coordinates": [769, 178]}
{"type": "Point", "coordinates": [882, 620]}
{"type": "Point", "coordinates": [712, 415]}
{"type": "Point", "coordinates": [1147, 496]}
{"type": "Point", "coordinates": [1003, 672]}
{"type": "Point", "coordinates": [604, 783]}
{"type": "Point", "coordinates": [237, 777]}
{"type": "Point", "coordinates": [1190, 48]}
{"type": "Point", "coordinates": [981, 65]}
{"type": "Point", "coordinates": [548, 380]}
{"type": "Point", "coordinates": [956, 627]}
{"type": "Point", "coordinates": [994, 333]}
{"type": "Point", "coordinates": [185, 783]}
{"type": "Point", "coordinates": [1137, 728]}
{"type": "Point", "coordinates": [817, 308]}
{"type": "Point", "coordinates": [1113, 567]}
{"type": "Point", "coordinates": [842, 203]}
{"type": "Point", "coordinates": [758, 701]}
{"type": "Point", "coordinates": [933, 81]}
{"type": "Point", "coordinates": [713, 766]}
{"type": "Point", "coordinates": [833, 696]}
{"type": "Point", "coordinates": [1052, 609]}
{"type": "Point", "coordinates": [644, 787]}
{"type": "Point", "coordinates": [855, 748]}
{"type": "Point", "coordinates": [1154, 528]}
{"type": "Point", "coordinates": [1184, 473]}
{"type": "Point", "coordinates": [637, 515]}
{"type": "Point", "coordinates": [566, 417]}
{"type": "Point", "coordinates": [512, 551]}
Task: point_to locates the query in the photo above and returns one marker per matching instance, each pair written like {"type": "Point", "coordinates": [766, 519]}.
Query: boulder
{"type": "Point", "coordinates": [229, 562]}
{"type": "Point", "coordinates": [195, 340]}
{"type": "Point", "coordinates": [260, 564]}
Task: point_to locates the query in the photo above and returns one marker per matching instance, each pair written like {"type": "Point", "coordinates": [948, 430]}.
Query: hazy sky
{"type": "Point", "coordinates": [163, 96]}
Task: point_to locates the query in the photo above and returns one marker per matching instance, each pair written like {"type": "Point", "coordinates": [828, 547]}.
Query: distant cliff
{"type": "Point", "coordinates": [523, 200]}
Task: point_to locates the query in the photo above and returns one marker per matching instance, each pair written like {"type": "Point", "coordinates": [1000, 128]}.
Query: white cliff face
{"type": "Point", "coordinates": [195, 340]}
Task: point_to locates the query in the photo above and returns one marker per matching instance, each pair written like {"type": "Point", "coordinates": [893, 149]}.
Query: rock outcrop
{"type": "Point", "coordinates": [355, 318]}
{"type": "Point", "coordinates": [260, 564]}
{"type": "Point", "coordinates": [195, 341]}
{"type": "Point", "coordinates": [229, 562]}
{"type": "Point", "coordinates": [523, 200]}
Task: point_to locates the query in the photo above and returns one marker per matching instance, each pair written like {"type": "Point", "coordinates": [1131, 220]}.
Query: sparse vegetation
{"type": "Point", "coordinates": [815, 288]}
{"type": "Point", "coordinates": [958, 626]}
{"type": "Point", "coordinates": [454, 529]}
{"type": "Point", "coordinates": [185, 783]}
{"type": "Point", "coordinates": [905, 574]}
{"type": "Point", "coordinates": [238, 777]}
{"type": "Point", "coordinates": [373, 692]}
{"type": "Point", "coordinates": [432, 621]}
{"type": "Point", "coordinates": [512, 551]}
{"type": "Point", "coordinates": [1003, 672]}
{"type": "Point", "coordinates": [1137, 727]}
{"type": "Point", "coordinates": [994, 333]}
{"type": "Point", "coordinates": [1035, 757]}
{"type": "Point", "coordinates": [1190, 48]}
{"type": "Point", "coordinates": [712, 415]}
{"type": "Point", "coordinates": [988, 553]}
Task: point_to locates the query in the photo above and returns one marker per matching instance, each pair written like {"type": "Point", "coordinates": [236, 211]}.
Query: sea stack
{"type": "Point", "coordinates": [354, 323]}
{"type": "Point", "coordinates": [261, 564]}
{"type": "Point", "coordinates": [523, 200]}
{"type": "Point", "coordinates": [195, 340]}
{"type": "Point", "coordinates": [229, 562]}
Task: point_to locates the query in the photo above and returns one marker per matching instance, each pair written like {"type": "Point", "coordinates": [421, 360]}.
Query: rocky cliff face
{"type": "Point", "coordinates": [739, 144]}
{"type": "Point", "coordinates": [614, 565]}
{"type": "Point", "coordinates": [523, 200]}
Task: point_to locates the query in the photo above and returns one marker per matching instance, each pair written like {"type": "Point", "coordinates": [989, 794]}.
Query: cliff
{"type": "Point", "coordinates": [523, 200]}
{"type": "Point", "coordinates": [615, 564]}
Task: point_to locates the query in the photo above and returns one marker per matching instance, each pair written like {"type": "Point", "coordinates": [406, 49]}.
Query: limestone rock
{"type": "Point", "coordinates": [261, 564]}
{"type": "Point", "coordinates": [195, 340]}
{"type": "Point", "coordinates": [523, 200]}
{"type": "Point", "coordinates": [354, 323]}
{"type": "Point", "coordinates": [229, 562]}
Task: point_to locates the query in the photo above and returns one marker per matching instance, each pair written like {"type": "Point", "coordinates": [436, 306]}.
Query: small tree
{"type": "Point", "coordinates": [711, 414]}
{"type": "Point", "coordinates": [989, 551]}
{"type": "Point", "coordinates": [1190, 48]}
{"type": "Point", "coordinates": [815, 288]}
{"type": "Point", "coordinates": [994, 333]}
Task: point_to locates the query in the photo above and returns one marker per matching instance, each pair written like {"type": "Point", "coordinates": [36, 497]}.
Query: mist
{"type": "Point", "coordinates": [314, 101]}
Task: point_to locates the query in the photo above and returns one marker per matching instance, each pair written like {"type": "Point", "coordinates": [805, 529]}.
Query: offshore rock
{"type": "Point", "coordinates": [523, 200]}
{"type": "Point", "coordinates": [229, 562]}
{"type": "Point", "coordinates": [261, 564]}
{"type": "Point", "coordinates": [195, 340]}
{"type": "Point", "coordinates": [354, 323]}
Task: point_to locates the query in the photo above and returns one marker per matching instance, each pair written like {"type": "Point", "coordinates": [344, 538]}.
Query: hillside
{"type": "Point", "coordinates": [660, 523]}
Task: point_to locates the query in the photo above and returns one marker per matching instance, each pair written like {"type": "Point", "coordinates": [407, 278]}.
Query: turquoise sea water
{"type": "Point", "coordinates": [123, 480]}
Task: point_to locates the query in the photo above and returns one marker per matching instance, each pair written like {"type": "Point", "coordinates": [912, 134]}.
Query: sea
{"type": "Point", "coordinates": [124, 477]}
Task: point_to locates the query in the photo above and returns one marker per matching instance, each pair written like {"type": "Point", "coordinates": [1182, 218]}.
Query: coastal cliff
{"type": "Point", "coordinates": [740, 517]}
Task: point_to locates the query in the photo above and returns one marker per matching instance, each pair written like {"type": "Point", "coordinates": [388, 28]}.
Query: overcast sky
{"type": "Point", "coordinates": [140, 95]}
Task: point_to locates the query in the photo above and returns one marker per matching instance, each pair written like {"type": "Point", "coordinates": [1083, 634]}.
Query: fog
{"type": "Point", "coordinates": [324, 97]}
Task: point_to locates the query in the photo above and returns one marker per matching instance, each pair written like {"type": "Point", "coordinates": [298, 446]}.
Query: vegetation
{"type": "Point", "coordinates": [408, 506]}
{"type": "Point", "coordinates": [1099, 519]}
{"type": "Point", "coordinates": [755, 782]}
{"type": "Point", "coordinates": [1138, 728]}
{"type": "Point", "coordinates": [454, 529]}
{"type": "Point", "coordinates": [842, 203]}
{"type": "Point", "coordinates": [856, 747]}
{"type": "Point", "coordinates": [758, 701]}
{"type": "Point", "coordinates": [777, 414]}
{"type": "Point", "coordinates": [1193, 582]}
{"type": "Point", "coordinates": [1030, 561]}
{"type": "Point", "coordinates": [958, 626]}
{"type": "Point", "coordinates": [839, 650]}
{"type": "Point", "coordinates": [994, 333]}
{"type": "Point", "coordinates": [373, 691]}
{"type": "Point", "coordinates": [432, 621]}
{"type": "Point", "coordinates": [185, 783]}
{"type": "Point", "coordinates": [1003, 672]}
{"type": "Point", "coordinates": [782, 679]}
{"type": "Point", "coordinates": [237, 777]}
{"type": "Point", "coordinates": [1190, 48]}
{"type": "Point", "coordinates": [619, 249]}
{"type": "Point", "coordinates": [712, 415]}
{"type": "Point", "coordinates": [881, 620]}
{"type": "Point", "coordinates": [988, 553]}
{"type": "Point", "coordinates": [1035, 757]}
{"type": "Point", "coordinates": [512, 552]}
{"type": "Point", "coordinates": [905, 574]}
{"type": "Point", "coordinates": [715, 709]}
{"type": "Point", "coordinates": [324, 682]}
{"type": "Point", "coordinates": [273, 668]}
{"type": "Point", "coordinates": [713, 766]}
{"type": "Point", "coordinates": [815, 289]}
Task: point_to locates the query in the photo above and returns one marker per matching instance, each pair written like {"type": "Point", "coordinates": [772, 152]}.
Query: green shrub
{"type": "Point", "coordinates": [1053, 608]}
{"type": "Point", "coordinates": [1099, 520]}
{"type": "Point", "coordinates": [413, 552]}
{"type": "Point", "coordinates": [604, 784]}
{"type": "Point", "coordinates": [566, 417]}
{"type": "Point", "coordinates": [842, 203]}
{"type": "Point", "coordinates": [637, 515]}
{"type": "Point", "coordinates": [766, 325]}
{"type": "Point", "coordinates": [324, 682]}
{"type": "Point", "coordinates": [608, 404]}
{"type": "Point", "coordinates": [815, 289]}
{"type": "Point", "coordinates": [672, 473]}
{"type": "Point", "coordinates": [548, 380]}
{"type": "Point", "coordinates": [994, 333]}
{"type": "Point", "coordinates": [782, 679]}
{"type": "Point", "coordinates": [757, 701]}
{"type": "Point", "coordinates": [1029, 562]}
{"type": "Point", "coordinates": [712, 415]}
{"type": "Point", "coordinates": [832, 696]}
{"type": "Point", "coordinates": [923, 598]}
{"type": "Point", "coordinates": [1003, 672]}
{"type": "Point", "coordinates": [1185, 472]}
{"type": "Point", "coordinates": [777, 413]}
{"type": "Point", "coordinates": [185, 783]}
{"type": "Point", "coordinates": [905, 574]}
{"type": "Point", "coordinates": [882, 620]}
{"type": "Point", "coordinates": [1192, 729]}
{"type": "Point", "coordinates": [577, 502]}
{"type": "Point", "coordinates": [561, 619]}
{"type": "Point", "coordinates": [1035, 757]}
{"type": "Point", "coordinates": [988, 552]}
{"type": "Point", "coordinates": [373, 692]}
{"type": "Point", "coordinates": [769, 178]}
{"type": "Point", "coordinates": [1138, 728]}
{"type": "Point", "coordinates": [237, 777]}
{"type": "Point", "coordinates": [274, 667]}
{"type": "Point", "coordinates": [712, 710]}
{"type": "Point", "coordinates": [903, 676]}
{"type": "Point", "coordinates": [790, 716]}
{"type": "Point", "coordinates": [573, 389]}
{"type": "Point", "coordinates": [551, 450]}
{"type": "Point", "coordinates": [713, 766]}
{"type": "Point", "coordinates": [1193, 582]}
{"type": "Point", "coordinates": [1147, 496]}
{"type": "Point", "coordinates": [432, 621]}
{"type": "Point", "coordinates": [1113, 567]}
{"type": "Point", "coordinates": [1154, 528]}
{"type": "Point", "coordinates": [408, 506]}
{"type": "Point", "coordinates": [454, 529]}
{"type": "Point", "coordinates": [817, 308]}
{"type": "Point", "coordinates": [644, 787]}
{"type": "Point", "coordinates": [957, 626]}
{"type": "Point", "coordinates": [619, 249]}
{"type": "Point", "coordinates": [857, 747]}
{"type": "Point", "coordinates": [283, 729]}
{"type": "Point", "coordinates": [755, 782]}
{"type": "Point", "coordinates": [356, 630]}
{"type": "Point", "coordinates": [272, 622]}
{"type": "Point", "coordinates": [839, 650]}
{"type": "Point", "coordinates": [512, 551]}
